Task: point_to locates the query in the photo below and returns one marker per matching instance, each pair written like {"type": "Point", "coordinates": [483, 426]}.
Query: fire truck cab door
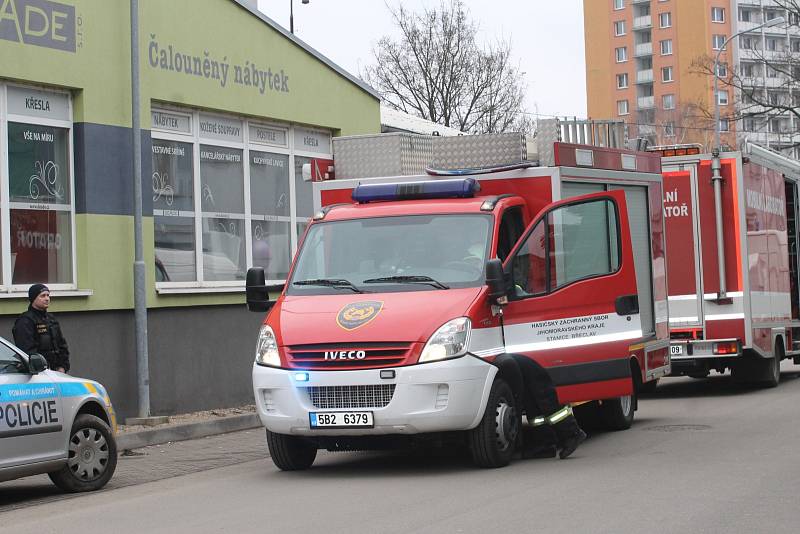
{"type": "Point", "coordinates": [573, 305]}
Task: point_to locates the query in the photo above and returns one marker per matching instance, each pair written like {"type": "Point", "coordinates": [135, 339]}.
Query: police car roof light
{"type": "Point", "coordinates": [455, 188]}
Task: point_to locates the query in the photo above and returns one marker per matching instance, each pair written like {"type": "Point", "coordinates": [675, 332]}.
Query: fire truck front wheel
{"type": "Point", "coordinates": [617, 414]}
{"type": "Point", "coordinates": [291, 453]}
{"type": "Point", "coordinates": [494, 440]}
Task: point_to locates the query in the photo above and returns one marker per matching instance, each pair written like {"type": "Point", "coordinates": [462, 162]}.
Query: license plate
{"type": "Point", "coordinates": [341, 420]}
{"type": "Point", "coordinates": [676, 350]}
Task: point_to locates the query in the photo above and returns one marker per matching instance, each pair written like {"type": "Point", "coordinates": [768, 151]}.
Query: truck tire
{"type": "Point", "coordinates": [617, 414]}
{"type": "Point", "coordinates": [494, 440]}
{"type": "Point", "coordinates": [92, 456]}
{"type": "Point", "coordinates": [770, 368]}
{"type": "Point", "coordinates": [290, 453]}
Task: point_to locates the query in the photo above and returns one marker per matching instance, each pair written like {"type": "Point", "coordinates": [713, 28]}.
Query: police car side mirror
{"type": "Point", "coordinates": [495, 279]}
{"type": "Point", "coordinates": [257, 291]}
{"type": "Point", "coordinates": [36, 363]}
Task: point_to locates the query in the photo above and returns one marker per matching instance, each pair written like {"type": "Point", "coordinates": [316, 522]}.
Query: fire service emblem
{"type": "Point", "coordinates": [357, 314]}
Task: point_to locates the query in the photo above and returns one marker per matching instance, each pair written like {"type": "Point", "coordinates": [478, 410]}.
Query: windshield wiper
{"type": "Point", "coordinates": [337, 283]}
{"type": "Point", "coordinates": [409, 279]}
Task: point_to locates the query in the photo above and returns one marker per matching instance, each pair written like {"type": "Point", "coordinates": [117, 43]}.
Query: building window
{"type": "Point", "coordinates": [228, 194]}
{"type": "Point", "coordinates": [665, 19]}
{"type": "Point", "coordinates": [794, 18]}
{"type": "Point", "coordinates": [724, 125]}
{"type": "Point", "coordinates": [722, 98]}
{"type": "Point", "coordinates": [749, 124]}
{"type": "Point", "coordinates": [718, 41]}
{"type": "Point", "coordinates": [772, 72]}
{"type": "Point", "coordinates": [717, 14]}
{"type": "Point", "coordinates": [745, 15]}
{"type": "Point", "coordinates": [622, 107]}
{"type": "Point", "coordinates": [772, 44]}
{"type": "Point", "coordinates": [747, 42]}
{"type": "Point", "coordinates": [619, 4]}
{"type": "Point", "coordinates": [619, 28]}
{"type": "Point", "coordinates": [795, 45]}
{"type": "Point", "coordinates": [669, 129]}
{"type": "Point", "coordinates": [748, 70]}
{"type": "Point", "coordinates": [37, 188]}
{"type": "Point", "coordinates": [622, 80]}
{"type": "Point", "coordinates": [622, 54]}
{"type": "Point", "coordinates": [668, 101]}
{"type": "Point", "coordinates": [666, 74]}
{"type": "Point", "coordinates": [666, 47]}
{"type": "Point", "coordinates": [722, 70]}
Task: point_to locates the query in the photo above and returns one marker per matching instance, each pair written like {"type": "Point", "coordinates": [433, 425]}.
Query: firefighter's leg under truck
{"type": "Point", "coordinates": [409, 294]}
{"type": "Point", "coordinates": [752, 321]}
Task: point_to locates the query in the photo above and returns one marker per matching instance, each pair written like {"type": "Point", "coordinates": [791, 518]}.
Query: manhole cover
{"type": "Point", "coordinates": [678, 428]}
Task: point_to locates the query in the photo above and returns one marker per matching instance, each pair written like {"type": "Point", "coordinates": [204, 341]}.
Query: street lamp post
{"type": "Point", "coordinates": [716, 165]}
{"type": "Point", "coordinates": [291, 14]}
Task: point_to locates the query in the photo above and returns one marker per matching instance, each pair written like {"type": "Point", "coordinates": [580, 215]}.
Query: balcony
{"type": "Point", "coordinates": [646, 102]}
{"type": "Point", "coordinates": [643, 23]}
{"type": "Point", "coordinates": [644, 76]}
{"type": "Point", "coordinates": [643, 49]}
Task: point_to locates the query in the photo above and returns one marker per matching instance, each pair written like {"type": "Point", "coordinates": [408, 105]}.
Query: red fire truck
{"type": "Point", "coordinates": [747, 238]}
{"type": "Point", "coordinates": [409, 292]}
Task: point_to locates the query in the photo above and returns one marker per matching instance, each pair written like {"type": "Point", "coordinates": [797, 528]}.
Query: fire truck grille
{"type": "Point", "coordinates": [347, 355]}
{"type": "Point", "coordinates": [336, 397]}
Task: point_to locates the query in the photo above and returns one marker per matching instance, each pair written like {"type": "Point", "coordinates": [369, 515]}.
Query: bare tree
{"type": "Point", "coordinates": [768, 81]}
{"type": "Point", "coordinates": [437, 70]}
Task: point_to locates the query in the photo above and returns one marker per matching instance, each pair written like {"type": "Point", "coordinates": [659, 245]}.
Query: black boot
{"type": "Point", "coordinates": [570, 436]}
{"type": "Point", "coordinates": [538, 442]}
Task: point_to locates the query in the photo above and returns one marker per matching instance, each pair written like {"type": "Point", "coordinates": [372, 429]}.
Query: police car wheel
{"type": "Point", "coordinates": [291, 453]}
{"type": "Point", "coordinates": [92, 456]}
{"type": "Point", "coordinates": [493, 441]}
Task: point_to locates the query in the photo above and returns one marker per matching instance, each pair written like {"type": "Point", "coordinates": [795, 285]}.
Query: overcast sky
{"type": "Point", "coordinates": [546, 38]}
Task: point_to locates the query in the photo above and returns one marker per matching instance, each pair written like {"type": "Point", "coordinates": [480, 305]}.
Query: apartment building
{"type": "Point", "coordinates": [649, 62]}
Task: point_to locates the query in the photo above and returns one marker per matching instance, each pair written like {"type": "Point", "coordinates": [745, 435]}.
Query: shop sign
{"type": "Point", "coordinates": [220, 128]}
{"type": "Point", "coordinates": [39, 23]}
{"type": "Point", "coordinates": [206, 64]}
{"type": "Point", "coordinates": [35, 103]}
{"type": "Point", "coordinates": [170, 122]}
{"type": "Point", "coordinates": [267, 136]}
{"type": "Point", "coordinates": [311, 141]}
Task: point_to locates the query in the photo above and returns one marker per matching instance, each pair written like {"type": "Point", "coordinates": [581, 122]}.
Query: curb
{"type": "Point", "coordinates": [158, 436]}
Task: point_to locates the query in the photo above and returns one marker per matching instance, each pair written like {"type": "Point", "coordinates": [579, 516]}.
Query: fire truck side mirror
{"type": "Point", "coordinates": [495, 279]}
{"type": "Point", "coordinates": [257, 291]}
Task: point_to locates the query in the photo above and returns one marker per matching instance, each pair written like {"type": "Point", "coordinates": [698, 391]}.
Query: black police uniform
{"type": "Point", "coordinates": [39, 331]}
{"type": "Point", "coordinates": [554, 426]}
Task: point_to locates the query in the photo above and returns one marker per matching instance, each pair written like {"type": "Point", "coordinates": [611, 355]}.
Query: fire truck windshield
{"type": "Point", "coordinates": [390, 254]}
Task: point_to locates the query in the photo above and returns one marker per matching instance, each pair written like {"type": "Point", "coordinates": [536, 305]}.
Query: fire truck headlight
{"type": "Point", "coordinates": [449, 341]}
{"type": "Point", "coordinates": [267, 348]}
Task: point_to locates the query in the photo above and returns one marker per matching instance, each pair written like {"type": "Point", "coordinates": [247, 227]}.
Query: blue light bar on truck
{"type": "Point", "coordinates": [456, 188]}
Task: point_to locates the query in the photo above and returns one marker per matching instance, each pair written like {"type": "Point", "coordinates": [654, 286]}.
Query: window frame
{"type": "Point", "coordinates": [718, 41]}
{"type": "Point", "coordinates": [665, 43]}
{"type": "Point", "coordinates": [664, 70]}
{"type": "Point", "coordinates": [617, 25]}
{"type": "Point", "coordinates": [671, 98]}
{"type": "Point", "coordinates": [543, 220]}
{"type": "Point", "coordinates": [624, 50]}
{"type": "Point", "coordinates": [627, 107]}
{"type": "Point", "coordinates": [625, 77]}
{"type": "Point", "coordinates": [719, 99]}
{"type": "Point", "coordinates": [246, 145]}
{"type": "Point", "coordinates": [721, 11]}
{"type": "Point", "coordinates": [619, 4]}
{"type": "Point", "coordinates": [6, 117]}
{"type": "Point", "coordinates": [668, 15]}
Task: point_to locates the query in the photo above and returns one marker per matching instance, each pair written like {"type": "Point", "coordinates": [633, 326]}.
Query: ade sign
{"type": "Point", "coordinates": [38, 22]}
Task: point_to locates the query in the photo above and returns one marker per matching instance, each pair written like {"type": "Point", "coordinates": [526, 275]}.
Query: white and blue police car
{"type": "Point", "coordinates": [53, 423]}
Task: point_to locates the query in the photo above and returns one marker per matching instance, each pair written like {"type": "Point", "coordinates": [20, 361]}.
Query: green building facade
{"type": "Point", "coordinates": [232, 108]}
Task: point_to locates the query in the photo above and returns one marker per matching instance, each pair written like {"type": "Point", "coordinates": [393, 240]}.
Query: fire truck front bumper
{"type": "Point", "coordinates": [433, 397]}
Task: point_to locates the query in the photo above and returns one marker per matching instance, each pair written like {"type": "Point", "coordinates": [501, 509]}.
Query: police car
{"type": "Point", "coordinates": [53, 423]}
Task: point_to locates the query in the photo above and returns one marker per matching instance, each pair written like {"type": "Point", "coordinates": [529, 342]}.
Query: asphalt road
{"type": "Point", "coordinates": [702, 456]}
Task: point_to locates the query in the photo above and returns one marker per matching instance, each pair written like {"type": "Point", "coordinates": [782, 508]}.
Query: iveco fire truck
{"type": "Point", "coordinates": [732, 261]}
{"type": "Point", "coordinates": [412, 287]}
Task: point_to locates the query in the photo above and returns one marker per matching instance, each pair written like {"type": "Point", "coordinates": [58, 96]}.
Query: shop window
{"type": "Point", "coordinates": [38, 244]}
{"type": "Point", "coordinates": [228, 194]}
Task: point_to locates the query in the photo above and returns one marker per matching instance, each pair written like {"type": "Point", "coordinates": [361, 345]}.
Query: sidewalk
{"type": "Point", "coordinates": [188, 426]}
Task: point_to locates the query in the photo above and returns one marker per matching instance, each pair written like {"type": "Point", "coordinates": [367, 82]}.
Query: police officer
{"type": "Point", "coordinates": [555, 428]}
{"type": "Point", "coordinates": [39, 331]}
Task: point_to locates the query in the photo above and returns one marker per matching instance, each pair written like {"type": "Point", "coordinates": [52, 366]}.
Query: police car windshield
{"type": "Point", "coordinates": [387, 251]}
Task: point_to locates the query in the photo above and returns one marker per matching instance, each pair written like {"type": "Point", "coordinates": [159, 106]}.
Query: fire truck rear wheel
{"type": "Point", "coordinates": [493, 441]}
{"type": "Point", "coordinates": [771, 367]}
{"type": "Point", "coordinates": [291, 453]}
{"type": "Point", "coordinates": [617, 414]}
